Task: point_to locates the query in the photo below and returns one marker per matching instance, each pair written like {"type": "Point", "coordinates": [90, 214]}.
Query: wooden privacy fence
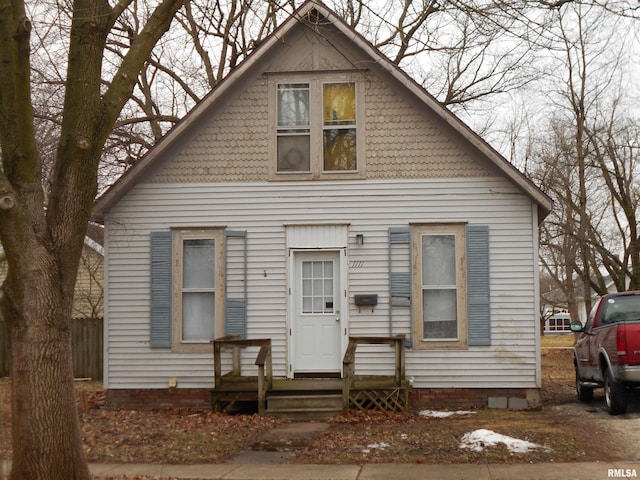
{"type": "Point", "coordinates": [87, 338]}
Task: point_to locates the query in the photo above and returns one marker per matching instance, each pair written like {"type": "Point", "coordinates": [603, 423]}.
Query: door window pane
{"type": "Point", "coordinates": [317, 287]}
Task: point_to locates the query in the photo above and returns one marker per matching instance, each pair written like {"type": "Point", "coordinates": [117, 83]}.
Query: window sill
{"type": "Point", "coordinates": [440, 345]}
{"type": "Point", "coordinates": [195, 347]}
{"type": "Point", "coordinates": [289, 177]}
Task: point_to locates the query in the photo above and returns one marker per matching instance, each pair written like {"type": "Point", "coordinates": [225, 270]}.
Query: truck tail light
{"type": "Point", "coordinates": [621, 344]}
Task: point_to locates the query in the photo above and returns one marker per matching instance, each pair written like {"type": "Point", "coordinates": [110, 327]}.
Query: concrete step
{"type": "Point", "coordinates": [304, 406]}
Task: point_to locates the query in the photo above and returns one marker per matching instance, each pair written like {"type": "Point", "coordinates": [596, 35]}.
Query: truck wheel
{"type": "Point", "coordinates": [614, 395]}
{"type": "Point", "coordinates": [585, 394]}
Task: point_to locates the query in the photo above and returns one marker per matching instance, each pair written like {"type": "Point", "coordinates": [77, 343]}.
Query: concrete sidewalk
{"type": "Point", "coordinates": [546, 471]}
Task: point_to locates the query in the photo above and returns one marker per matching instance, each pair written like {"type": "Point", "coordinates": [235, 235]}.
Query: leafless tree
{"type": "Point", "coordinates": [94, 78]}
{"type": "Point", "coordinates": [588, 161]}
{"type": "Point", "coordinates": [43, 235]}
{"type": "Point", "coordinates": [463, 52]}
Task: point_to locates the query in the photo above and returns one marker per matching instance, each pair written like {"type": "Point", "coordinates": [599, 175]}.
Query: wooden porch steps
{"type": "Point", "coordinates": [307, 397]}
{"type": "Point", "coordinates": [307, 385]}
{"type": "Point", "coordinates": [304, 406]}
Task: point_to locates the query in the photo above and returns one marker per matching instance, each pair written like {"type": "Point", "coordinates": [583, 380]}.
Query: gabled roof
{"type": "Point", "coordinates": [308, 10]}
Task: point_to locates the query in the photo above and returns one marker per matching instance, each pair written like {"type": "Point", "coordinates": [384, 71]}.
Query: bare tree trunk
{"type": "Point", "coordinates": [43, 397]}
{"type": "Point", "coordinates": [43, 242]}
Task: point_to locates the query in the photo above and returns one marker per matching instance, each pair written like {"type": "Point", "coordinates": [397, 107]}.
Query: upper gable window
{"type": "Point", "coordinates": [294, 128]}
{"type": "Point", "coordinates": [317, 128]}
{"type": "Point", "coordinates": [339, 127]}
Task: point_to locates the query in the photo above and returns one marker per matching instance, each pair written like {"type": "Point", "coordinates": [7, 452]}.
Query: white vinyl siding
{"type": "Point", "coordinates": [368, 208]}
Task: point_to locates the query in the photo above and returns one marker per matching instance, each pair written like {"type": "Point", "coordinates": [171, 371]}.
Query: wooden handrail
{"type": "Point", "coordinates": [350, 354]}
{"type": "Point", "coordinates": [377, 340]}
{"type": "Point", "coordinates": [265, 378]}
{"type": "Point", "coordinates": [234, 340]}
{"type": "Point", "coordinates": [263, 362]}
{"type": "Point", "coordinates": [349, 360]}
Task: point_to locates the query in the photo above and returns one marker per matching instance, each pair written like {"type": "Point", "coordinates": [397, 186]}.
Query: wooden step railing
{"type": "Point", "coordinates": [232, 379]}
{"type": "Point", "coordinates": [386, 392]}
{"type": "Point", "coordinates": [398, 400]}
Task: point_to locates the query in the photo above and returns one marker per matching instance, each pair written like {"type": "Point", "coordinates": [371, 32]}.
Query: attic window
{"type": "Point", "coordinates": [339, 126]}
{"type": "Point", "coordinates": [294, 128]}
{"type": "Point", "coordinates": [317, 128]}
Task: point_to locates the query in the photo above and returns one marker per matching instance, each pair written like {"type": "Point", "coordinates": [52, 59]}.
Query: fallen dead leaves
{"type": "Point", "coordinates": [168, 436]}
{"type": "Point", "coordinates": [190, 437]}
{"type": "Point", "coordinates": [380, 438]}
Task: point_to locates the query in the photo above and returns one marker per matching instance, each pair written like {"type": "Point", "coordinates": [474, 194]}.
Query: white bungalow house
{"type": "Point", "coordinates": [319, 200]}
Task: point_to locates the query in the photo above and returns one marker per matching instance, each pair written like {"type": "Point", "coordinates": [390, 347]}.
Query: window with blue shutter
{"type": "Point", "coordinates": [451, 304]}
{"type": "Point", "coordinates": [198, 287]}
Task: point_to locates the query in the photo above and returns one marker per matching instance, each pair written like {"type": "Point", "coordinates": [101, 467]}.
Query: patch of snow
{"type": "Point", "coordinates": [479, 439]}
{"type": "Point", "coordinates": [381, 446]}
{"type": "Point", "coordinates": [444, 414]}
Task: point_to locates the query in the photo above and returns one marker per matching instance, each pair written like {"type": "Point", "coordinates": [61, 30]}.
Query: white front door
{"type": "Point", "coordinates": [316, 322]}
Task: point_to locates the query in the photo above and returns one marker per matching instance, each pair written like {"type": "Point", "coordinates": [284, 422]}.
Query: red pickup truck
{"type": "Point", "coordinates": [607, 352]}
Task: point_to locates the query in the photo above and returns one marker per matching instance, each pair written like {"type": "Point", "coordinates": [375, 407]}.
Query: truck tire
{"type": "Point", "coordinates": [585, 394]}
{"type": "Point", "coordinates": [614, 394]}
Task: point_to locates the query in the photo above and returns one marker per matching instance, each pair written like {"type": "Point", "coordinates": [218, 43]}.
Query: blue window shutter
{"type": "Point", "coordinates": [235, 305]}
{"type": "Point", "coordinates": [399, 235]}
{"type": "Point", "coordinates": [401, 287]}
{"type": "Point", "coordinates": [399, 281]}
{"type": "Point", "coordinates": [478, 298]}
{"type": "Point", "coordinates": [400, 284]}
{"type": "Point", "coordinates": [161, 282]}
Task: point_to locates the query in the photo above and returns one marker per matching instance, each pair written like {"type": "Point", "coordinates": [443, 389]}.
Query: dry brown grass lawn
{"type": "Point", "coordinates": [557, 340]}
{"type": "Point", "coordinates": [189, 436]}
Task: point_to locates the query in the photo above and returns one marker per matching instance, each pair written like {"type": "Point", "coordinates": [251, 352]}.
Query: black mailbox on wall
{"type": "Point", "coordinates": [366, 300]}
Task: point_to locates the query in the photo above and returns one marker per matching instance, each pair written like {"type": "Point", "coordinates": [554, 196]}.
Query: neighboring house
{"type": "Point", "coordinates": [558, 322]}
{"type": "Point", "coordinates": [87, 313]}
{"type": "Point", "coordinates": [88, 301]}
{"type": "Point", "coordinates": [315, 195]}
{"type": "Point", "coordinates": [88, 295]}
